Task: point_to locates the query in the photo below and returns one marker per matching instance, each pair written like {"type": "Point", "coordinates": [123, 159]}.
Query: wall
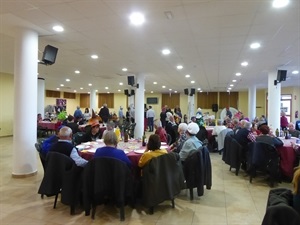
{"type": "Point", "coordinates": [7, 104]}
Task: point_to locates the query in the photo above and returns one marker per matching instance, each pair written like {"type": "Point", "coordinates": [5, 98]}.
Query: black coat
{"type": "Point", "coordinates": [162, 179]}
{"type": "Point", "coordinates": [106, 178]}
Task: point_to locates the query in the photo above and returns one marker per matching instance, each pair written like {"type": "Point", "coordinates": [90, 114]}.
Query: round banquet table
{"type": "Point", "coordinates": [287, 157]}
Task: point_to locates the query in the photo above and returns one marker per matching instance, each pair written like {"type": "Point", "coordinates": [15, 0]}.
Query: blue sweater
{"type": "Point", "coordinates": [112, 152]}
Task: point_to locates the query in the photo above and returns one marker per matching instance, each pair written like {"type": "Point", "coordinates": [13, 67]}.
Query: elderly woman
{"type": "Point", "coordinates": [160, 131]}
{"type": "Point", "coordinates": [267, 137]}
{"type": "Point", "coordinates": [177, 146]}
{"type": "Point", "coordinates": [109, 127]}
{"type": "Point", "coordinates": [152, 150]}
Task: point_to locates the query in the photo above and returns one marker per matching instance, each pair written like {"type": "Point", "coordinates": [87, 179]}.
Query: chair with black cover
{"type": "Point", "coordinates": [78, 138]}
{"type": "Point", "coordinates": [61, 176]}
{"type": "Point", "coordinates": [233, 154]}
{"type": "Point", "coordinates": [162, 180]}
{"type": "Point", "coordinates": [169, 139]}
{"type": "Point", "coordinates": [264, 158]}
{"type": "Point", "coordinates": [38, 147]}
{"type": "Point", "coordinates": [130, 130]}
{"type": "Point", "coordinates": [107, 179]}
{"type": "Point", "coordinates": [221, 139]}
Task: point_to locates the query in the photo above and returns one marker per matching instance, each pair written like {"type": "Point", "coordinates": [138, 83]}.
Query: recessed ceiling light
{"type": "Point", "coordinates": [58, 28]}
{"type": "Point", "coordinates": [229, 88]}
{"type": "Point", "coordinates": [90, 84]}
{"type": "Point", "coordinates": [96, 90]}
{"type": "Point", "coordinates": [179, 67]}
{"type": "Point", "coordinates": [244, 63]}
{"type": "Point", "coordinates": [94, 56]}
{"type": "Point", "coordinates": [57, 88]}
{"type": "Point", "coordinates": [233, 80]}
{"type": "Point", "coordinates": [75, 91]}
{"type": "Point", "coordinates": [170, 89]}
{"type": "Point", "coordinates": [295, 72]}
{"type": "Point", "coordinates": [231, 85]}
{"type": "Point", "coordinates": [68, 80]}
{"type": "Point", "coordinates": [280, 3]}
{"type": "Point", "coordinates": [238, 74]}
{"type": "Point", "coordinates": [255, 45]}
{"type": "Point", "coordinates": [81, 88]}
{"type": "Point", "coordinates": [108, 92]}
{"type": "Point", "coordinates": [119, 90]}
{"type": "Point", "coordinates": [199, 89]}
{"type": "Point", "coordinates": [154, 82]}
{"type": "Point", "coordinates": [137, 18]}
{"type": "Point", "coordinates": [106, 88]}
{"type": "Point", "coordinates": [163, 86]}
{"type": "Point", "coordinates": [151, 92]}
{"type": "Point", "coordinates": [62, 85]}
{"type": "Point", "coordinates": [175, 91]}
{"type": "Point", "coordinates": [89, 92]}
{"type": "Point", "coordinates": [124, 69]}
{"type": "Point", "coordinates": [187, 76]}
{"type": "Point", "coordinates": [192, 81]}
{"type": "Point", "coordinates": [166, 51]}
{"type": "Point", "coordinates": [77, 71]}
{"type": "Point", "coordinates": [120, 83]}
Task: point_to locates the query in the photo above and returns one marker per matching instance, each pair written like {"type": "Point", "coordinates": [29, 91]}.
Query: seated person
{"type": "Point", "coordinates": [217, 129]}
{"type": "Point", "coordinates": [47, 143]}
{"type": "Point", "coordinates": [39, 118]}
{"type": "Point", "coordinates": [93, 133]}
{"type": "Point", "coordinates": [110, 150]}
{"type": "Point", "coordinates": [160, 131]}
{"type": "Point", "coordinates": [293, 131]}
{"type": "Point", "coordinates": [65, 146]}
{"type": "Point", "coordinates": [171, 128]}
{"type": "Point", "coordinates": [210, 122]}
{"type": "Point", "coordinates": [267, 137]}
{"type": "Point", "coordinates": [244, 135]}
{"type": "Point", "coordinates": [152, 150]}
{"type": "Point", "coordinates": [192, 143]}
{"type": "Point", "coordinates": [109, 127]}
{"type": "Point", "coordinates": [296, 190]}
{"type": "Point", "coordinates": [177, 145]}
{"type": "Point", "coordinates": [70, 123]}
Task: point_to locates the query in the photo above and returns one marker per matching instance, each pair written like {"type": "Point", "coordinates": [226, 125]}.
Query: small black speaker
{"type": "Point", "coordinates": [192, 91]}
{"type": "Point", "coordinates": [130, 80]}
{"type": "Point", "coordinates": [281, 75]}
{"type": "Point", "coordinates": [214, 107]}
{"type": "Point", "coordinates": [186, 91]}
{"type": "Point", "coordinates": [132, 92]}
{"type": "Point", "coordinates": [126, 92]}
{"type": "Point", "coordinates": [49, 55]}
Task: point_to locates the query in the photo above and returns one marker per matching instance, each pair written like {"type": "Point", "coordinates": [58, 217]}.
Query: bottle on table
{"type": "Point", "coordinates": [144, 140]}
{"type": "Point", "coordinates": [277, 132]}
{"type": "Point", "coordinates": [125, 136]}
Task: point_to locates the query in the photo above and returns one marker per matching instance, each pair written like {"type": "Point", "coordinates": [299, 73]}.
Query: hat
{"type": "Point", "coordinates": [264, 129]}
{"type": "Point", "coordinates": [193, 128]}
{"type": "Point", "coordinates": [95, 123]}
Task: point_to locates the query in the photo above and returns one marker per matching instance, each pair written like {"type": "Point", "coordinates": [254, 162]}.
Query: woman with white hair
{"type": "Point", "coordinates": [177, 146]}
{"type": "Point", "coordinates": [160, 131]}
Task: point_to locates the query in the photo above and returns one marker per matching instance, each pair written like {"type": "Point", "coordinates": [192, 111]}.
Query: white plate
{"type": "Point", "coordinates": [163, 147]}
{"type": "Point", "coordinates": [139, 151]}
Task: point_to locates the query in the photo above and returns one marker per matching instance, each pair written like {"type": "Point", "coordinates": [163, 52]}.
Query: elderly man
{"type": "Point", "coordinates": [78, 113]}
{"type": "Point", "coordinates": [104, 113]}
{"type": "Point", "coordinates": [65, 146]}
{"type": "Point", "coordinates": [244, 135]}
{"type": "Point", "coordinates": [177, 146]}
{"type": "Point", "coordinates": [217, 129]}
{"type": "Point", "coordinates": [110, 150]}
{"type": "Point", "coordinates": [293, 131]}
{"type": "Point", "coordinates": [192, 143]}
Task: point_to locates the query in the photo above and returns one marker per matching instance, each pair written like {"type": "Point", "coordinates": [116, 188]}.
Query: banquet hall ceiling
{"type": "Point", "coordinates": [209, 38]}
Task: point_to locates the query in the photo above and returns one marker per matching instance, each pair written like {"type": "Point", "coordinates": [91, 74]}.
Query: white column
{"type": "Point", "coordinates": [191, 107]}
{"type": "Point", "coordinates": [252, 102]}
{"type": "Point", "coordinates": [25, 100]}
{"type": "Point", "coordinates": [93, 103]}
{"type": "Point", "coordinates": [139, 106]}
{"type": "Point", "coordinates": [274, 93]}
{"type": "Point", "coordinates": [41, 97]}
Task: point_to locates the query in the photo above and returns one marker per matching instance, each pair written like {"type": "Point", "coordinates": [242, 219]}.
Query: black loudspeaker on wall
{"type": "Point", "coordinates": [192, 91]}
{"type": "Point", "coordinates": [281, 75]}
{"type": "Point", "coordinates": [186, 91]}
{"type": "Point", "coordinates": [132, 92]}
{"type": "Point", "coordinates": [126, 92]}
{"type": "Point", "coordinates": [215, 107]}
{"type": "Point", "coordinates": [130, 80]}
{"type": "Point", "coordinates": [49, 55]}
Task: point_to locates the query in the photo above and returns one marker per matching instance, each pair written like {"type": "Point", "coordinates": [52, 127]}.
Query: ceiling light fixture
{"type": "Point", "coordinates": [68, 80]}
{"type": "Point", "coordinates": [233, 80]}
{"type": "Point", "coordinates": [244, 63]}
{"type": "Point", "coordinates": [166, 51]}
{"type": "Point", "coordinates": [170, 89]}
{"type": "Point", "coordinates": [62, 85]}
{"type": "Point", "coordinates": [106, 88]}
{"type": "Point", "coordinates": [75, 91]}
{"type": "Point", "coordinates": [77, 71]}
{"type": "Point", "coordinates": [238, 74]}
{"type": "Point", "coordinates": [280, 3]}
{"type": "Point", "coordinates": [81, 88]}
{"type": "Point", "coordinates": [231, 85]}
{"type": "Point", "coordinates": [187, 76]}
{"type": "Point", "coordinates": [120, 83]}
{"type": "Point", "coordinates": [90, 84]}
{"type": "Point", "coordinates": [124, 69]}
{"type": "Point", "coordinates": [151, 92]}
{"type": "Point", "coordinates": [58, 28]}
{"type": "Point", "coordinates": [179, 67]}
{"type": "Point", "coordinates": [255, 45]}
{"type": "Point", "coordinates": [137, 18]}
{"type": "Point", "coordinates": [119, 90]}
{"type": "Point", "coordinates": [154, 82]}
{"type": "Point", "coordinates": [57, 88]}
{"type": "Point", "coordinates": [229, 88]}
{"type": "Point", "coordinates": [96, 90]}
{"type": "Point", "coordinates": [192, 81]}
{"type": "Point", "coordinates": [199, 89]}
{"type": "Point", "coordinates": [175, 91]}
{"type": "Point", "coordinates": [94, 56]}
{"type": "Point", "coordinates": [163, 86]}
{"type": "Point", "coordinates": [89, 92]}
{"type": "Point", "coordinates": [295, 72]}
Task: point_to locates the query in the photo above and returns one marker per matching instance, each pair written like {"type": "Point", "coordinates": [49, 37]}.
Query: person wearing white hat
{"type": "Point", "coordinates": [192, 143]}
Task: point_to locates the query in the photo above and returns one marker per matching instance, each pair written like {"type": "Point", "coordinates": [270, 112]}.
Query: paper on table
{"type": "Point", "coordinates": [139, 151]}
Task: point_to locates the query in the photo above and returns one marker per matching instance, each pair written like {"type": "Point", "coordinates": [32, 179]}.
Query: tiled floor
{"type": "Point", "coordinates": [231, 201]}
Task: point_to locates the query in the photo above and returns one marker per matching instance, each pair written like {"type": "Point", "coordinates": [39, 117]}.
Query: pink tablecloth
{"type": "Point", "coordinates": [49, 125]}
{"type": "Point", "coordinates": [287, 157]}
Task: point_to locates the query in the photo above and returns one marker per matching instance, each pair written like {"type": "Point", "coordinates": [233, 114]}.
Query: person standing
{"type": "Point", "coordinates": [283, 121]}
{"type": "Point", "coordinates": [163, 117]}
{"type": "Point", "coordinates": [78, 113]}
{"type": "Point", "coordinates": [121, 115]}
{"type": "Point", "coordinates": [150, 117]}
{"type": "Point", "coordinates": [228, 112]}
{"type": "Point", "coordinates": [104, 113]}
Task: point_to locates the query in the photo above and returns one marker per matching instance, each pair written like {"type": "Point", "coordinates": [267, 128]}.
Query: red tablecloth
{"type": "Point", "coordinates": [287, 157]}
{"type": "Point", "coordinates": [49, 125]}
